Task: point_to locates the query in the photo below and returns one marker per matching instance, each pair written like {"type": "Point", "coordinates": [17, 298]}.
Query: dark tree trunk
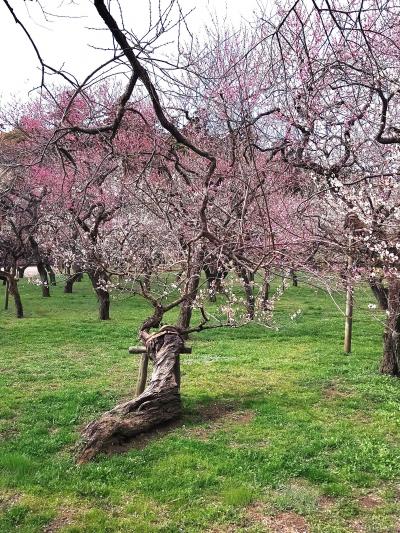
{"type": "Point", "coordinates": [13, 288]}
{"type": "Point", "coordinates": [380, 293]}
{"type": "Point", "coordinates": [69, 283]}
{"type": "Point", "coordinates": [192, 285]}
{"type": "Point", "coordinates": [41, 268]}
{"type": "Point", "coordinates": [51, 274]}
{"type": "Point", "coordinates": [247, 281]}
{"type": "Point", "coordinates": [390, 363]}
{"type": "Point", "coordinates": [21, 272]}
{"type": "Point", "coordinates": [264, 297]}
{"type": "Point", "coordinates": [294, 277]}
{"type": "Point", "coordinates": [159, 403]}
{"type": "Point", "coordinates": [146, 280]}
{"type": "Point", "coordinates": [211, 276]}
{"type": "Point", "coordinates": [103, 296]}
{"type": "Point", "coordinates": [6, 295]}
{"type": "Point", "coordinates": [104, 304]}
{"type": "Point", "coordinates": [44, 279]}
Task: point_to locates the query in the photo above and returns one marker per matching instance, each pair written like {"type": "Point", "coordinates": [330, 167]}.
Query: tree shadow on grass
{"type": "Point", "coordinates": [211, 411]}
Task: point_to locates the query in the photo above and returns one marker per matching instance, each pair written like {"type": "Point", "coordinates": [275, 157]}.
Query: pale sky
{"type": "Point", "coordinates": [65, 38]}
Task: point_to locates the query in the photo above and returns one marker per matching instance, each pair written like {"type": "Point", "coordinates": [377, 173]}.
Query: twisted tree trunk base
{"type": "Point", "coordinates": [159, 403]}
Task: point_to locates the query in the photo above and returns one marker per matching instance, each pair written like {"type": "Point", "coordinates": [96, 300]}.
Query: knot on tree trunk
{"type": "Point", "coordinates": [159, 403]}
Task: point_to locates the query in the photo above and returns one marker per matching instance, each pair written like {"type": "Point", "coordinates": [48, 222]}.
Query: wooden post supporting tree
{"type": "Point", "coordinates": [144, 363]}
{"type": "Point", "coordinates": [348, 326]}
{"type": "Point", "coordinates": [159, 403]}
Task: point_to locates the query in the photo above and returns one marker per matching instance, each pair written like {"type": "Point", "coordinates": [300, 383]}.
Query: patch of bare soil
{"type": "Point", "coordinates": [224, 529]}
{"type": "Point", "coordinates": [65, 518]}
{"type": "Point", "coordinates": [287, 522]}
{"type": "Point", "coordinates": [333, 391]}
{"type": "Point", "coordinates": [357, 526]}
{"type": "Point", "coordinates": [325, 503]}
{"type": "Point", "coordinates": [7, 500]}
{"type": "Point", "coordinates": [370, 501]}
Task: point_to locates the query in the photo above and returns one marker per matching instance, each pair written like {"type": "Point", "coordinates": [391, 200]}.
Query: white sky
{"type": "Point", "coordinates": [63, 40]}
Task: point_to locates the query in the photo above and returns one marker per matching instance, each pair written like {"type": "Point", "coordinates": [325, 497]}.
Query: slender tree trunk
{"type": "Point", "coordinates": [192, 285]}
{"type": "Point", "coordinates": [348, 325]}
{"type": "Point", "coordinates": [69, 283]}
{"type": "Point", "coordinates": [7, 293]}
{"type": "Point", "coordinates": [264, 297]}
{"type": "Point", "coordinates": [380, 293]}
{"type": "Point", "coordinates": [159, 403]}
{"type": "Point", "coordinates": [211, 282]}
{"type": "Point", "coordinates": [247, 281]}
{"type": "Point", "coordinates": [294, 277]}
{"type": "Point", "coordinates": [51, 274]}
{"type": "Point", "coordinates": [44, 279]}
{"type": "Point", "coordinates": [103, 296]}
{"type": "Point", "coordinates": [13, 288]}
{"type": "Point", "coordinates": [390, 363]}
{"type": "Point", "coordinates": [146, 280]}
{"type": "Point", "coordinates": [41, 268]}
{"type": "Point", "coordinates": [21, 272]}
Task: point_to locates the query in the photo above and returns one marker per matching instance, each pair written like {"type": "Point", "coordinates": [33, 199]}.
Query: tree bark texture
{"type": "Point", "coordinates": [390, 363]}
{"type": "Point", "coordinates": [192, 285]}
{"type": "Point", "coordinates": [103, 296]}
{"type": "Point", "coordinates": [51, 273]}
{"type": "Point", "coordinates": [264, 296]}
{"type": "Point", "coordinates": [247, 279]}
{"type": "Point", "coordinates": [159, 403]}
{"type": "Point", "coordinates": [44, 279]}
{"type": "Point", "coordinates": [69, 283]}
{"type": "Point", "coordinates": [13, 289]}
{"type": "Point", "coordinates": [380, 293]}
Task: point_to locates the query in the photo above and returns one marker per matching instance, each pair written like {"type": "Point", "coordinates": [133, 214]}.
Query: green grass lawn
{"type": "Point", "coordinates": [281, 431]}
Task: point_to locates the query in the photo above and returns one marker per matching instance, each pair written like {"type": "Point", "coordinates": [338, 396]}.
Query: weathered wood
{"type": "Point", "coordinates": [142, 376]}
{"type": "Point", "coordinates": [142, 349]}
{"type": "Point", "coordinates": [348, 324]}
{"type": "Point", "coordinates": [159, 403]}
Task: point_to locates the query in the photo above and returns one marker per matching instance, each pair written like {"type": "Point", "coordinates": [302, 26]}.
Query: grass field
{"type": "Point", "coordinates": [281, 432]}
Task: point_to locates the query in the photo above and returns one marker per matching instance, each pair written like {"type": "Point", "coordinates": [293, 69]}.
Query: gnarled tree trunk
{"type": "Point", "coordinates": [13, 290]}
{"type": "Point", "coordinates": [380, 292]}
{"type": "Point", "coordinates": [44, 279]}
{"type": "Point", "coordinates": [159, 403]}
{"type": "Point", "coordinates": [69, 282]}
{"type": "Point", "coordinates": [390, 363]}
{"type": "Point", "coordinates": [98, 280]}
{"type": "Point", "coordinates": [41, 268]}
{"type": "Point", "coordinates": [192, 285]}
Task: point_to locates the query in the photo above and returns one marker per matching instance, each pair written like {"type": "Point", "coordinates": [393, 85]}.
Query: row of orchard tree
{"type": "Point", "coordinates": [251, 154]}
